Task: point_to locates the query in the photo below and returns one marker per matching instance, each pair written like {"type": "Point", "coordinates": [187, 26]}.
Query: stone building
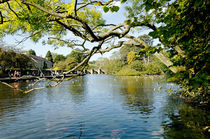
{"type": "Point", "coordinates": [41, 63]}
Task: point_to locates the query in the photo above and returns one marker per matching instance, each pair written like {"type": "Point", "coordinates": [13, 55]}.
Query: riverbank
{"type": "Point", "coordinates": [144, 76]}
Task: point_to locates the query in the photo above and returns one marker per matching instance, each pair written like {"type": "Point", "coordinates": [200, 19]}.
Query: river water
{"type": "Point", "coordinates": [100, 106]}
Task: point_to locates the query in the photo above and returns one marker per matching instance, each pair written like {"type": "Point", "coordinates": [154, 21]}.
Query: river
{"type": "Point", "coordinates": [100, 106]}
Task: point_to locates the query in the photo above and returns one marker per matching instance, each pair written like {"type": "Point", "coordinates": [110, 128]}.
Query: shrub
{"type": "Point", "coordinates": [153, 69]}
{"type": "Point", "coordinates": [137, 65]}
{"type": "Point", "coordinates": [128, 72]}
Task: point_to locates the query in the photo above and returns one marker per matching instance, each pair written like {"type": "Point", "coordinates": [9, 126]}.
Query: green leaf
{"type": "Point", "coordinates": [115, 8]}
{"type": "Point", "coordinates": [106, 9]}
{"type": "Point", "coordinates": [123, 1]}
{"type": "Point", "coordinates": [198, 2]}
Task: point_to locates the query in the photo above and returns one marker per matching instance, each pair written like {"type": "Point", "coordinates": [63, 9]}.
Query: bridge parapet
{"type": "Point", "coordinates": [93, 71]}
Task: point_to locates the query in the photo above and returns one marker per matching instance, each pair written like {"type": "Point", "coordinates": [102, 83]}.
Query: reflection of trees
{"type": "Point", "coordinates": [77, 89]}
{"type": "Point", "coordinates": [138, 94]}
{"type": "Point", "coordinates": [11, 100]}
{"type": "Point", "coordinates": [184, 121]}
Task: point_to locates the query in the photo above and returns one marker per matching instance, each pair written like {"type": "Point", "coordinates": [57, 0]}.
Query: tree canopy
{"type": "Point", "coordinates": [9, 59]}
{"type": "Point", "coordinates": [49, 56]}
{"type": "Point", "coordinates": [32, 52]}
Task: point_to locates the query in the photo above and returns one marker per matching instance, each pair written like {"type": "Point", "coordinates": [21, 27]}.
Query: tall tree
{"type": "Point", "coordinates": [59, 58]}
{"type": "Point", "coordinates": [32, 52]}
{"type": "Point", "coordinates": [49, 56]}
{"type": "Point", "coordinates": [182, 26]}
{"type": "Point", "coordinates": [11, 60]}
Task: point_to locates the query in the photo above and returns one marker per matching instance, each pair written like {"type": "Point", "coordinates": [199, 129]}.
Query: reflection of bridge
{"type": "Point", "coordinates": [93, 71]}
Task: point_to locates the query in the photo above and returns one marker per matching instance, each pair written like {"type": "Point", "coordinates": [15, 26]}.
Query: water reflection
{"type": "Point", "coordinates": [138, 93]}
{"type": "Point", "coordinates": [12, 100]}
{"type": "Point", "coordinates": [182, 120]}
{"type": "Point", "coordinates": [99, 106]}
{"type": "Point", "coordinates": [77, 89]}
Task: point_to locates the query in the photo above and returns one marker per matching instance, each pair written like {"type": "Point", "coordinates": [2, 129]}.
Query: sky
{"type": "Point", "coordinates": [41, 50]}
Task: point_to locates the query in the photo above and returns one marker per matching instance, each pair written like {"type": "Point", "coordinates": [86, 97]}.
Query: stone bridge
{"type": "Point", "coordinates": [94, 71]}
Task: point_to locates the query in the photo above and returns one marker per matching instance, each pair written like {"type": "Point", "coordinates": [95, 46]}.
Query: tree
{"type": "Point", "coordinates": [149, 41]}
{"type": "Point", "coordinates": [110, 66]}
{"type": "Point", "coordinates": [49, 56]}
{"type": "Point", "coordinates": [12, 60]}
{"type": "Point", "coordinates": [32, 52]}
{"type": "Point", "coordinates": [124, 50]}
{"type": "Point", "coordinates": [131, 57]}
{"type": "Point", "coordinates": [55, 19]}
{"type": "Point", "coordinates": [183, 31]}
{"type": "Point", "coordinates": [77, 54]}
{"type": "Point", "coordinates": [71, 60]}
{"type": "Point", "coordinates": [59, 58]}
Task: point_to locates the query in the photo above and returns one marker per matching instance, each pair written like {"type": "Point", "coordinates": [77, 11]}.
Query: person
{"type": "Point", "coordinates": [15, 73]}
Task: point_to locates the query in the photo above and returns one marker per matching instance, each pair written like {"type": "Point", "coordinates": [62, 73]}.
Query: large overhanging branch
{"type": "Point", "coordinates": [65, 16]}
{"type": "Point", "coordinates": [153, 27]}
{"type": "Point", "coordinates": [93, 2]}
{"type": "Point", "coordinates": [26, 38]}
{"type": "Point", "coordinates": [87, 58]}
{"type": "Point", "coordinates": [120, 43]}
{"type": "Point", "coordinates": [112, 32]}
{"type": "Point", "coordinates": [85, 26]}
{"type": "Point", "coordinates": [76, 32]}
{"type": "Point", "coordinates": [137, 42]}
{"type": "Point", "coordinates": [70, 43]}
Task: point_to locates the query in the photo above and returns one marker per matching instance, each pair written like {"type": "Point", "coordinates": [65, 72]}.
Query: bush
{"type": "Point", "coordinates": [153, 69]}
{"type": "Point", "coordinates": [112, 66]}
{"type": "Point", "coordinates": [137, 65]}
{"type": "Point", "coordinates": [128, 72]}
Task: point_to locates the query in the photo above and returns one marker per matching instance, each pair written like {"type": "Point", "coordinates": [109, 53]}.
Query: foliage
{"type": "Point", "coordinates": [137, 65]}
{"type": "Point", "coordinates": [131, 57]}
{"type": "Point", "coordinates": [49, 56]}
{"type": "Point", "coordinates": [183, 24]}
{"type": "Point", "coordinates": [59, 58]}
{"type": "Point", "coordinates": [110, 66]}
{"type": "Point", "coordinates": [70, 61]}
{"type": "Point", "coordinates": [147, 39]}
{"type": "Point", "coordinates": [124, 50]}
{"type": "Point", "coordinates": [77, 54]}
{"type": "Point", "coordinates": [60, 65]}
{"type": "Point", "coordinates": [153, 68]}
{"type": "Point", "coordinates": [12, 60]}
{"type": "Point", "coordinates": [27, 16]}
{"type": "Point", "coordinates": [32, 52]}
{"type": "Point", "coordinates": [126, 71]}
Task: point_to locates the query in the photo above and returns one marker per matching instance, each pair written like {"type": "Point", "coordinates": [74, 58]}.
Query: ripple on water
{"type": "Point", "coordinates": [95, 107]}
